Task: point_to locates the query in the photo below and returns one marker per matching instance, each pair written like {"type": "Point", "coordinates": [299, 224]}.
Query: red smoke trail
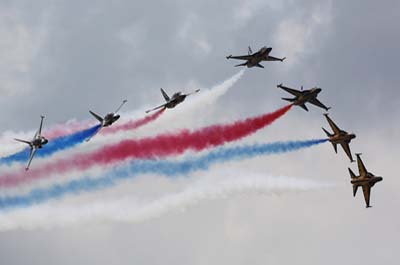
{"type": "Point", "coordinates": [130, 125]}
{"type": "Point", "coordinates": [152, 147]}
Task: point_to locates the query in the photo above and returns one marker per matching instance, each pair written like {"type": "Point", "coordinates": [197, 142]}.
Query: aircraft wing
{"type": "Point", "coordinates": [39, 132]}
{"type": "Point", "coordinates": [346, 149]}
{"type": "Point", "coordinates": [241, 57]}
{"type": "Point", "coordinates": [334, 127]}
{"type": "Point", "coordinates": [367, 192]}
{"type": "Point", "coordinates": [272, 58]}
{"type": "Point", "coordinates": [156, 108]}
{"type": "Point", "coordinates": [361, 168]}
{"type": "Point", "coordinates": [292, 91]}
{"type": "Point", "coordinates": [318, 103]}
{"type": "Point", "coordinates": [31, 155]}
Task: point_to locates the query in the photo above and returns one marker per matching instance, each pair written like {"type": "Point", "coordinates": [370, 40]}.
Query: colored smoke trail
{"type": "Point", "coordinates": [169, 168]}
{"type": "Point", "coordinates": [203, 99]}
{"type": "Point", "coordinates": [133, 209]}
{"type": "Point", "coordinates": [152, 147]}
{"type": "Point", "coordinates": [55, 145]}
{"type": "Point", "coordinates": [71, 127]}
{"type": "Point", "coordinates": [131, 125]}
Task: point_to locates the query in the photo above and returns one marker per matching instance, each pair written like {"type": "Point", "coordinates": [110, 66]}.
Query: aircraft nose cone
{"type": "Point", "coordinates": [380, 179]}
{"type": "Point", "coordinates": [117, 116]}
{"type": "Point", "coordinates": [45, 141]}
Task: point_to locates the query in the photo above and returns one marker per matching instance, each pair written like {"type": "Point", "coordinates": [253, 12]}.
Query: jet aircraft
{"type": "Point", "coordinates": [366, 180]}
{"type": "Point", "coordinates": [304, 96]}
{"type": "Point", "coordinates": [176, 99]}
{"type": "Point", "coordinates": [339, 137]}
{"type": "Point", "coordinates": [254, 59]}
{"type": "Point", "coordinates": [108, 120]}
{"type": "Point", "coordinates": [37, 143]}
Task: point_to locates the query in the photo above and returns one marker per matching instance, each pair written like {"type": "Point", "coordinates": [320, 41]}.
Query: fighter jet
{"type": "Point", "coordinates": [108, 120]}
{"type": "Point", "coordinates": [366, 180]}
{"type": "Point", "coordinates": [304, 96]}
{"type": "Point", "coordinates": [339, 137]}
{"type": "Point", "coordinates": [37, 143]}
{"type": "Point", "coordinates": [176, 99]}
{"type": "Point", "coordinates": [254, 59]}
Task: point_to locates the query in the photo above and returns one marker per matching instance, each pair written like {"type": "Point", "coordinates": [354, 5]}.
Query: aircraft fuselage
{"type": "Point", "coordinates": [176, 99]}
{"type": "Point", "coordinates": [370, 179]}
{"type": "Point", "coordinates": [109, 119]}
{"type": "Point", "coordinates": [342, 137]}
{"type": "Point", "coordinates": [307, 96]}
{"type": "Point", "coordinates": [39, 142]}
{"type": "Point", "coordinates": [258, 57]}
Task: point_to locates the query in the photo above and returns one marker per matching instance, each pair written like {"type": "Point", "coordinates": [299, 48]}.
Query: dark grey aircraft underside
{"type": "Point", "coordinates": [254, 59]}
{"type": "Point", "coordinates": [304, 96]}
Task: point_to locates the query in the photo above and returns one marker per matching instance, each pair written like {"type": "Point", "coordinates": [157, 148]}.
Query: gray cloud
{"type": "Point", "coordinates": [70, 56]}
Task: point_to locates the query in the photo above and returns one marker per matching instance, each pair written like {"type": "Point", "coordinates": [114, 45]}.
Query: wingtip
{"type": "Point", "coordinates": [229, 56]}
{"type": "Point", "coordinates": [284, 58]}
{"type": "Point", "coordinates": [279, 85]}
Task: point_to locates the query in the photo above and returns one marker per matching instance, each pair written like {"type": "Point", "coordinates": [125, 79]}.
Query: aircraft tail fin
{"type": "Point", "coordinates": [250, 52]}
{"type": "Point", "coordinates": [100, 119]}
{"type": "Point", "coordinates": [165, 95]}
{"type": "Point", "coordinates": [23, 141]}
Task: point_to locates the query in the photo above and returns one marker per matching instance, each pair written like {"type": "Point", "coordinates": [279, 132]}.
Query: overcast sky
{"type": "Point", "coordinates": [62, 58]}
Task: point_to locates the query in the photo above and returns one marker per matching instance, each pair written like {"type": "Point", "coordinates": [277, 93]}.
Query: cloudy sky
{"type": "Point", "coordinates": [62, 58]}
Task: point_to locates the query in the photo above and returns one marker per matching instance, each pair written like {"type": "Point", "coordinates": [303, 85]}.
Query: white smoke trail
{"type": "Point", "coordinates": [131, 209]}
{"type": "Point", "coordinates": [188, 116]}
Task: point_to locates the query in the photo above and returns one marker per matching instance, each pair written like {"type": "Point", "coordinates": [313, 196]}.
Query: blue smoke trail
{"type": "Point", "coordinates": [53, 146]}
{"type": "Point", "coordinates": [164, 167]}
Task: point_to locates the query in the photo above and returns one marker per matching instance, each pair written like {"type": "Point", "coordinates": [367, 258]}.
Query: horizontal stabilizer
{"type": "Point", "coordinates": [355, 188]}
{"type": "Point", "coordinates": [326, 132]}
{"type": "Point", "coordinates": [352, 175]}
{"type": "Point", "coordinates": [289, 99]}
{"type": "Point", "coordinates": [242, 64]}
